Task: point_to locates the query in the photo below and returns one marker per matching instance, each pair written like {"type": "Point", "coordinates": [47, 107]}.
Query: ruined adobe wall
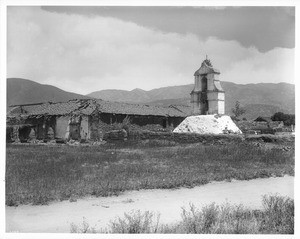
{"type": "Point", "coordinates": [62, 124]}
{"type": "Point", "coordinates": [182, 137]}
{"type": "Point", "coordinates": [108, 122]}
{"type": "Point", "coordinates": [84, 128]}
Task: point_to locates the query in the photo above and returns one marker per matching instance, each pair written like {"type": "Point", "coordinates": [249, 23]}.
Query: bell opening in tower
{"type": "Point", "coordinates": [204, 84]}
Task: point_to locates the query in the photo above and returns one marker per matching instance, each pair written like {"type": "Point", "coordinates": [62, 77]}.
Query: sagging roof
{"type": "Point", "coordinates": [90, 106]}
{"type": "Point", "coordinates": [61, 108]}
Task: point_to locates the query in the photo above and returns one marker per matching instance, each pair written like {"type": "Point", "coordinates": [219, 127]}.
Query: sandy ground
{"type": "Point", "coordinates": [57, 216]}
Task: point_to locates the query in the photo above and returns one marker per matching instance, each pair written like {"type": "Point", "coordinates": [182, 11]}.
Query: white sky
{"type": "Point", "coordinates": [88, 49]}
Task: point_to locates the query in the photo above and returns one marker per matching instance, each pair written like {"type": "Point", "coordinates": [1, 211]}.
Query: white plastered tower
{"type": "Point", "coordinates": [207, 97]}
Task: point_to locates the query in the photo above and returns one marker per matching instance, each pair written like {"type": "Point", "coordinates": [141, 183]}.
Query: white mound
{"type": "Point", "coordinates": [208, 124]}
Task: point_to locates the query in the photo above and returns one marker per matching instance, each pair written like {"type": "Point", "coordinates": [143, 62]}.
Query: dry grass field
{"type": "Point", "coordinates": [38, 174]}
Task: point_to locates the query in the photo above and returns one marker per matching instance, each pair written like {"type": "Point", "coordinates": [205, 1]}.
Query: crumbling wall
{"type": "Point", "coordinates": [15, 134]}
{"type": "Point", "coordinates": [107, 122]}
{"type": "Point", "coordinates": [50, 133]}
{"type": "Point", "coordinates": [62, 124]}
{"type": "Point", "coordinates": [84, 128]}
{"type": "Point", "coordinates": [74, 127]}
{"type": "Point", "coordinates": [32, 134]}
{"type": "Point", "coordinates": [95, 129]}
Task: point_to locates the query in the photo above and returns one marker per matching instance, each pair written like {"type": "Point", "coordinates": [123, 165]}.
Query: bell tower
{"type": "Point", "coordinates": [207, 97]}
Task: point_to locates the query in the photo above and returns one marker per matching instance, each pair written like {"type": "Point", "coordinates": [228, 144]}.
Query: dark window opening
{"type": "Point", "coordinates": [164, 123]}
{"type": "Point", "coordinates": [24, 133]}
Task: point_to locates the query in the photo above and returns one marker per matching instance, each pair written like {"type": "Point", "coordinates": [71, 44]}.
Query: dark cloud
{"type": "Point", "coordinates": [262, 27]}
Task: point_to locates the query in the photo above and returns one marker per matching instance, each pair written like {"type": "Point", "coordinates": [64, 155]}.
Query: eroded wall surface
{"type": "Point", "coordinates": [62, 124]}
{"type": "Point", "coordinates": [84, 128]}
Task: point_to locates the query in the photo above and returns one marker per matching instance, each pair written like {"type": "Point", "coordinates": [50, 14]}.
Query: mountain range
{"type": "Point", "coordinates": [22, 91]}
{"type": "Point", "coordinates": [263, 99]}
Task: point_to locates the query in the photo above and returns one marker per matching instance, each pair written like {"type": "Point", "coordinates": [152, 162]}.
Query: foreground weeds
{"type": "Point", "coordinates": [276, 217]}
{"type": "Point", "coordinates": [38, 174]}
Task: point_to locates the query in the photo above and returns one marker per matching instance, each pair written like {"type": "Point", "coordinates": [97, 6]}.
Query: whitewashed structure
{"type": "Point", "coordinates": [207, 97]}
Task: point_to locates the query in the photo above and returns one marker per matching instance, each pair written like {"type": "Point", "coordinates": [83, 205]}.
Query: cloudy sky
{"type": "Point", "coordinates": [85, 49]}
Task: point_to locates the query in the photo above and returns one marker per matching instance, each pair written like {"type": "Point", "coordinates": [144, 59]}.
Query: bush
{"type": "Point", "coordinates": [196, 221]}
{"type": "Point", "coordinates": [278, 215]}
{"type": "Point", "coordinates": [238, 110]}
{"type": "Point", "coordinates": [288, 119]}
{"type": "Point", "coordinates": [135, 222]}
{"type": "Point", "coordinates": [83, 228]}
{"type": "Point", "coordinates": [213, 219]}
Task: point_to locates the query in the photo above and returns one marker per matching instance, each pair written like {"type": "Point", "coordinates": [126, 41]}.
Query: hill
{"type": "Point", "coordinates": [22, 91]}
{"type": "Point", "coordinates": [142, 96]}
{"type": "Point", "coordinates": [263, 99]}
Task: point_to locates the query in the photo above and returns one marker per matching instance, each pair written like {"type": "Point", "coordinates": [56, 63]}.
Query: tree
{"type": "Point", "coordinates": [238, 110]}
{"type": "Point", "coordinates": [286, 118]}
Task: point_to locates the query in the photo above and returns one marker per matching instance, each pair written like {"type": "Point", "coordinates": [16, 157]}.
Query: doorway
{"type": "Point", "coordinates": [75, 131]}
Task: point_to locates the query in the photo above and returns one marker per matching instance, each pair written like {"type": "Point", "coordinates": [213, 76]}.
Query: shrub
{"type": "Point", "coordinates": [215, 219]}
{"type": "Point", "coordinates": [288, 119]}
{"type": "Point", "coordinates": [278, 215]}
{"type": "Point", "coordinates": [83, 228]}
{"type": "Point", "coordinates": [135, 222]}
{"type": "Point", "coordinates": [238, 110]}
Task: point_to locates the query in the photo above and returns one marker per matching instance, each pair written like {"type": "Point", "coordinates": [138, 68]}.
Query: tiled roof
{"type": "Point", "coordinates": [88, 106]}
{"type": "Point", "coordinates": [62, 108]}
{"type": "Point", "coordinates": [137, 109]}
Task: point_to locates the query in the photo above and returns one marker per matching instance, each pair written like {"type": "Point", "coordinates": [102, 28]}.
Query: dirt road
{"type": "Point", "coordinates": [57, 216]}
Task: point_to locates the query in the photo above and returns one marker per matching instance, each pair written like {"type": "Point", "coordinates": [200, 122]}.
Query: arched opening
{"type": "Point", "coordinates": [204, 83]}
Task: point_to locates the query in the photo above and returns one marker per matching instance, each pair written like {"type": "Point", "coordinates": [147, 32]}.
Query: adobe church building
{"type": "Point", "coordinates": [89, 119]}
{"type": "Point", "coordinates": [84, 119]}
{"type": "Point", "coordinates": [207, 97]}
